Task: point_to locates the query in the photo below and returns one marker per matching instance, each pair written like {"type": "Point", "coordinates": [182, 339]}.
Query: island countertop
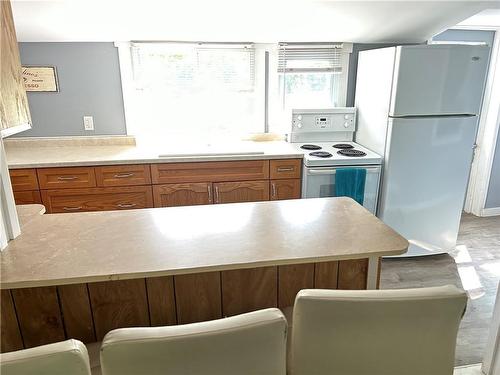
{"type": "Point", "coordinates": [74, 248]}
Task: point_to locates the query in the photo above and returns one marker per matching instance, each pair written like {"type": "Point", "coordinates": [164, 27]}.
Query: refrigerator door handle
{"type": "Point", "coordinates": [458, 115]}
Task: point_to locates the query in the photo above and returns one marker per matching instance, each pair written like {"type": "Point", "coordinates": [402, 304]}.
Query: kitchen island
{"type": "Point", "coordinates": [81, 275]}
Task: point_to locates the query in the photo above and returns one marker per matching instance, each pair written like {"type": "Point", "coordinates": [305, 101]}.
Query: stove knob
{"type": "Point", "coordinates": [346, 124]}
{"type": "Point", "coordinates": [299, 125]}
{"type": "Point", "coordinates": [299, 117]}
{"type": "Point", "coordinates": [347, 117]}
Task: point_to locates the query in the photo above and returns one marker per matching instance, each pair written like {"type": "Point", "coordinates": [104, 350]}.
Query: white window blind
{"type": "Point", "coordinates": [293, 58]}
{"type": "Point", "coordinates": [308, 76]}
{"type": "Point", "coordinates": [196, 88]}
{"type": "Point", "coordinates": [194, 65]}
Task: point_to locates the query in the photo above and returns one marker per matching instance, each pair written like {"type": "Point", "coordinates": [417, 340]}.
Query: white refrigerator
{"type": "Point", "coordinates": [418, 107]}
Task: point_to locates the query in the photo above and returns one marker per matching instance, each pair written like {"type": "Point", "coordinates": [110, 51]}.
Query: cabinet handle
{"type": "Point", "coordinates": [273, 188]}
{"type": "Point", "coordinates": [126, 205]}
{"type": "Point", "coordinates": [216, 194]}
{"type": "Point", "coordinates": [72, 208]}
{"type": "Point", "coordinates": [123, 175]}
{"type": "Point", "coordinates": [67, 178]}
{"type": "Point", "coordinates": [209, 186]}
{"type": "Point", "coordinates": [285, 169]}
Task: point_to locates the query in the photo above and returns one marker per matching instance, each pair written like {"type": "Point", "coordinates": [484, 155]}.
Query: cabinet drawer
{"type": "Point", "coordinates": [23, 179]}
{"type": "Point", "coordinates": [27, 197]}
{"type": "Point", "coordinates": [97, 199]}
{"type": "Point", "coordinates": [62, 178]}
{"type": "Point", "coordinates": [123, 175]}
{"type": "Point", "coordinates": [285, 168]}
{"type": "Point", "coordinates": [210, 171]}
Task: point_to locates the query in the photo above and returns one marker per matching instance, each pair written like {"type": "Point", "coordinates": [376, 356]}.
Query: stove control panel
{"type": "Point", "coordinates": [324, 120]}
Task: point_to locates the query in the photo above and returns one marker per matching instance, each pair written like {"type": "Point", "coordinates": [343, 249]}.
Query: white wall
{"type": "Point", "coordinates": [9, 224]}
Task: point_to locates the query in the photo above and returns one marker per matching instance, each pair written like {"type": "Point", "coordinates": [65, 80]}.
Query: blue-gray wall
{"type": "Point", "coordinates": [89, 84]}
{"type": "Point", "coordinates": [493, 196]}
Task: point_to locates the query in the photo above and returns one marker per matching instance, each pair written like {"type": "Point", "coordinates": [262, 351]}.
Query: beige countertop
{"type": "Point", "coordinates": [73, 248]}
{"type": "Point", "coordinates": [39, 154]}
{"type": "Point", "coordinates": [28, 212]}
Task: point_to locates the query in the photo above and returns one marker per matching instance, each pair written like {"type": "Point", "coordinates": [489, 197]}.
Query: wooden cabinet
{"type": "Point", "coordinates": [123, 175]}
{"type": "Point", "coordinates": [116, 187]}
{"type": "Point", "coordinates": [27, 197]}
{"type": "Point", "coordinates": [244, 191]}
{"type": "Point", "coordinates": [23, 179]}
{"type": "Point", "coordinates": [285, 189]}
{"type": "Point", "coordinates": [285, 168]}
{"type": "Point", "coordinates": [97, 199]}
{"type": "Point", "coordinates": [65, 178]}
{"type": "Point", "coordinates": [210, 171]}
{"type": "Point", "coordinates": [25, 186]}
{"type": "Point", "coordinates": [14, 109]}
{"type": "Point", "coordinates": [187, 194]}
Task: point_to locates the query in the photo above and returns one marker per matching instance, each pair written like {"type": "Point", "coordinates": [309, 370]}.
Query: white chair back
{"type": "Point", "coordinates": [247, 344]}
{"type": "Point", "coordinates": [376, 332]}
{"type": "Point", "coordinates": [62, 358]}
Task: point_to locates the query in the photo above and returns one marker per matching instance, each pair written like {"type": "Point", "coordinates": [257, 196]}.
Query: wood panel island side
{"type": "Point", "coordinates": [81, 275]}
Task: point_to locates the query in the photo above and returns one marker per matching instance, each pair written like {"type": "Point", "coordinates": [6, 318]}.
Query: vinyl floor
{"type": "Point", "coordinates": [474, 265]}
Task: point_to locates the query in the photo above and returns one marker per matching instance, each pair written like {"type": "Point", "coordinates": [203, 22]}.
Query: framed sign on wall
{"type": "Point", "coordinates": [40, 78]}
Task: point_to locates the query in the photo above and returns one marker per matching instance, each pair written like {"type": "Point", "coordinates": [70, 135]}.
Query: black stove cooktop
{"type": "Point", "coordinates": [310, 147]}
{"type": "Point", "coordinates": [321, 154]}
{"type": "Point", "coordinates": [352, 153]}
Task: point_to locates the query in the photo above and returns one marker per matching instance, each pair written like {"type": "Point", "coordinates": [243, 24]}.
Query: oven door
{"type": "Point", "coordinates": [319, 182]}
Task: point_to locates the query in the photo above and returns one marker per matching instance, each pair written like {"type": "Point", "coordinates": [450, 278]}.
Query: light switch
{"type": "Point", "coordinates": [88, 122]}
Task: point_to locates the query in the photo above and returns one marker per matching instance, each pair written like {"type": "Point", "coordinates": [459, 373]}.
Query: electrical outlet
{"type": "Point", "coordinates": [88, 122]}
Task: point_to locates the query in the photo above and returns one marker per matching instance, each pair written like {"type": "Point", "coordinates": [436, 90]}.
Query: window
{"type": "Point", "coordinates": [207, 90]}
{"type": "Point", "coordinates": [196, 89]}
{"type": "Point", "coordinates": [309, 76]}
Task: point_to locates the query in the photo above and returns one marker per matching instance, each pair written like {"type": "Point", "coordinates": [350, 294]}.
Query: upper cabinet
{"type": "Point", "coordinates": [14, 111]}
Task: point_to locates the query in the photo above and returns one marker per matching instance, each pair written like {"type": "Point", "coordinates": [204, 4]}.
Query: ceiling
{"type": "Point", "coordinates": [238, 20]}
{"type": "Point", "coordinates": [488, 18]}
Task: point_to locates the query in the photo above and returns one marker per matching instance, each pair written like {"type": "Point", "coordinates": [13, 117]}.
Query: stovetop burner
{"type": "Point", "coordinates": [351, 152]}
{"type": "Point", "coordinates": [343, 146]}
{"type": "Point", "coordinates": [321, 154]}
{"type": "Point", "coordinates": [310, 147]}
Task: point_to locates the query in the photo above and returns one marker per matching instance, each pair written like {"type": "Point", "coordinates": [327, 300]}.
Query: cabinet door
{"type": "Point", "coordinates": [244, 191]}
{"type": "Point", "coordinates": [170, 195]}
{"type": "Point", "coordinates": [97, 199]}
{"type": "Point", "coordinates": [27, 197]}
{"type": "Point", "coordinates": [14, 110]}
{"type": "Point", "coordinates": [285, 189]}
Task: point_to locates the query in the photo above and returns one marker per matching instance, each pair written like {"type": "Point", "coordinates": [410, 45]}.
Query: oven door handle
{"type": "Point", "coordinates": [333, 171]}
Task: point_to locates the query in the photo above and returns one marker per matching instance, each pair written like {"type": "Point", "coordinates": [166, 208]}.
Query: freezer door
{"type": "Point", "coordinates": [438, 79]}
{"type": "Point", "coordinates": [425, 179]}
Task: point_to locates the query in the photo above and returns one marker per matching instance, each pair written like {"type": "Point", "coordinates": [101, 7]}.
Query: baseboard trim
{"type": "Point", "coordinates": [494, 211]}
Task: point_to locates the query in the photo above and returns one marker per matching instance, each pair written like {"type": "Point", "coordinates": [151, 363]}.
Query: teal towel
{"type": "Point", "coordinates": [350, 182]}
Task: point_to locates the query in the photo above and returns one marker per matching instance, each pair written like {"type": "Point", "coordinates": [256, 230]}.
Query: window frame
{"type": "Point", "coordinates": [266, 84]}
